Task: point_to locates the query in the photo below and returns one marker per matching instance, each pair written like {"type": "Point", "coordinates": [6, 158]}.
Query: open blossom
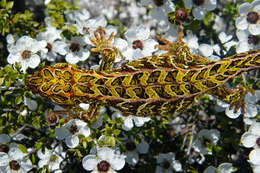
{"type": "Point", "coordinates": [211, 135]}
{"type": "Point", "coordinates": [14, 161]}
{"type": "Point", "coordinates": [51, 158]}
{"type": "Point", "coordinates": [251, 138]}
{"type": "Point", "coordinates": [249, 17]}
{"type": "Point", "coordinates": [55, 46]}
{"type": "Point", "coordinates": [133, 149]}
{"type": "Point", "coordinates": [25, 50]}
{"type": "Point", "coordinates": [77, 50]}
{"type": "Point", "coordinates": [130, 120]}
{"type": "Point", "coordinates": [160, 10]}
{"type": "Point", "coordinates": [167, 163]}
{"type": "Point", "coordinates": [105, 161]}
{"type": "Point", "coordinates": [139, 43]}
{"type": "Point", "coordinates": [199, 8]}
{"type": "Point", "coordinates": [70, 132]}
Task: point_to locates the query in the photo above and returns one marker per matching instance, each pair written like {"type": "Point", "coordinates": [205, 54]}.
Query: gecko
{"type": "Point", "coordinates": [163, 84]}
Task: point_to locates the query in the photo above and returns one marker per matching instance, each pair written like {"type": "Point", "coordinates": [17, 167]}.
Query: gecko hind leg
{"type": "Point", "coordinates": [236, 98]}
{"type": "Point", "coordinates": [180, 52]}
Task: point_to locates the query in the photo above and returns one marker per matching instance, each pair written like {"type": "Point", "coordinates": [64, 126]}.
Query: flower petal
{"type": "Point", "coordinates": [248, 139]}
{"type": "Point", "coordinates": [241, 23]}
{"type": "Point", "coordinates": [72, 141]}
{"type": "Point", "coordinates": [254, 29]}
{"type": "Point", "coordinates": [89, 162]}
{"type": "Point", "coordinates": [199, 13]}
{"type": "Point", "coordinates": [254, 156]}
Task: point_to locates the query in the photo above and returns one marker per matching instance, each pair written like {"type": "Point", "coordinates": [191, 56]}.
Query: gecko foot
{"type": "Point", "coordinates": [100, 41]}
{"type": "Point", "coordinates": [240, 103]}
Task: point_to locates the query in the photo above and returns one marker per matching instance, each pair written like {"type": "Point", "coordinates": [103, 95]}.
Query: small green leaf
{"type": "Point", "coordinates": [18, 100]}
{"type": "Point", "coordinates": [110, 140]}
{"type": "Point", "coordinates": [3, 3]}
{"type": "Point", "coordinates": [1, 81]}
{"type": "Point", "coordinates": [22, 148]}
{"type": "Point", "coordinates": [116, 132]}
{"type": "Point", "coordinates": [9, 5]}
{"type": "Point", "coordinates": [38, 145]}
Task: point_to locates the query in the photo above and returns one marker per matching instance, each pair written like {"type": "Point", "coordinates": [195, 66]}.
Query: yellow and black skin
{"type": "Point", "coordinates": [155, 85]}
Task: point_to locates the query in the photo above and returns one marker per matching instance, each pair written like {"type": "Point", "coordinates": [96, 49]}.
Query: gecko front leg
{"type": "Point", "coordinates": [104, 47]}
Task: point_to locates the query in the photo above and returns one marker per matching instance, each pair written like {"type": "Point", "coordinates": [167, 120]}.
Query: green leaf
{"type": "Point", "coordinates": [116, 132]}
{"type": "Point", "coordinates": [1, 81]}
{"type": "Point", "coordinates": [110, 140]}
{"type": "Point", "coordinates": [9, 5]}
{"type": "Point", "coordinates": [3, 3]}
{"type": "Point", "coordinates": [38, 145]}
{"type": "Point", "coordinates": [22, 148]}
{"type": "Point", "coordinates": [18, 100]}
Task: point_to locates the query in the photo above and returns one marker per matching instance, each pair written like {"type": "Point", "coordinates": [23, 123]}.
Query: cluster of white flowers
{"type": "Point", "coordinates": [248, 25]}
{"type": "Point", "coordinates": [251, 139]}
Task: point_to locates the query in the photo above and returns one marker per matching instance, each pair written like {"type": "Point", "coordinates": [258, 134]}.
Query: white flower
{"type": "Point", "coordinates": [4, 139]}
{"type": "Point", "coordinates": [130, 120]}
{"type": "Point", "coordinates": [30, 103]}
{"type": "Point", "coordinates": [222, 168]}
{"type": "Point", "coordinates": [77, 50]}
{"type": "Point", "coordinates": [212, 135]}
{"type": "Point", "coordinates": [54, 44]}
{"type": "Point", "coordinates": [254, 157]}
{"type": "Point", "coordinates": [226, 41]}
{"type": "Point", "coordinates": [133, 150]}
{"type": "Point", "coordinates": [70, 132]}
{"type": "Point", "coordinates": [25, 52]}
{"type": "Point", "coordinates": [200, 7]}
{"type": "Point", "coordinates": [247, 41]}
{"type": "Point", "coordinates": [90, 25]}
{"type": "Point", "coordinates": [249, 17]}
{"type": "Point", "coordinates": [78, 16]}
{"type": "Point", "coordinates": [51, 158]}
{"type": "Point", "coordinates": [139, 43]}
{"type": "Point", "coordinates": [251, 138]}
{"type": "Point", "coordinates": [15, 161]}
{"type": "Point", "coordinates": [160, 11]}
{"type": "Point", "coordinates": [256, 168]}
{"type": "Point", "coordinates": [166, 163]}
{"type": "Point", "coordinates": [106, 161]}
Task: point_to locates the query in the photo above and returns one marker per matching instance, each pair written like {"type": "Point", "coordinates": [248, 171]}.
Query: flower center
{"type": "Point", "coordinates": [166, 165]}
{"type": "Point", "coordinates": [198, 2]}
{"type": "Point", "coordinates": [252, 17]}
{"type": "Point", "coordinates": [138, 44]}
{"type": "Point", "coordinates": [158, 2]}
{"type": "Point", "coordinates": [103, 166]}
{"type": "Point", "coordinates": [86, 30]}
{"type": "Point", "coordinates": [181, 15]}
{"type": "Point", "coordinates": [73, 129]}
{"type": "Point", "coordinates": [14, 165]}
{"type": "Point", "coordinates": [130, 146]}
{"type": "Point", "coordinates": [53, 158]}
{"type": "Point", "coordinates": [253, 39]}
{"type": "Point", "coordinates": [74, 47]}
{"type": "Point", "coordinates": [4, 148]}
{"type": "Point", "coordinates": [258, 142]}
{"type": "Point", "coordinates": [26, 54]}
{"type": "Point", "coordinates": [49, 47]}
